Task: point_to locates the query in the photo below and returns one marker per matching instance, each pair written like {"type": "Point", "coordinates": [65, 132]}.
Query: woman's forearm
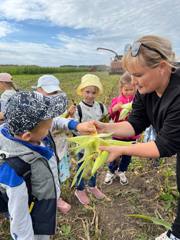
{"type": "Point", "coordinates": [148, 149]}
{"type": "Point", "coordinates": [121, 129]}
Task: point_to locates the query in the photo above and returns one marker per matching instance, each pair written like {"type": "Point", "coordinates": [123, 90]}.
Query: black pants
{"type": "Point", "coordinates": [3, 203]}
{"type": "Point", "coordinates": [176, 224]}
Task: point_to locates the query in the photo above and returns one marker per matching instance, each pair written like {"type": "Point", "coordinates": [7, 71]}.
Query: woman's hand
{"type": "Point", "coordinates": [100, 126]}
{"type": "Point", "coordinates": [114, 152]}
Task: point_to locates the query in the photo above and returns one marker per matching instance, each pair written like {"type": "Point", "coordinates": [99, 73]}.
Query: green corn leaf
{"type": "Point", "coordinates": [155, 220]}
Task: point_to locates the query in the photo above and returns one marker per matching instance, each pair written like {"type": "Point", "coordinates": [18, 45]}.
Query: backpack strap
{"type": "Point", "coordinates": [79, 112]}
{"type": "Point", "coordinates": [101, 107]}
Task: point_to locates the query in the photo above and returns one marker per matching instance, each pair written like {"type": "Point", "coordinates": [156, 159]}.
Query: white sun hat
{"type": "Point", "coordinates": [48, 83]}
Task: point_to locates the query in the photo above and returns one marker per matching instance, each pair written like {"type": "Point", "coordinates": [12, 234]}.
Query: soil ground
{"type": "Point", "coordinates": [108, 219]}
{"type": "Point", "coordinates": [149, 180]}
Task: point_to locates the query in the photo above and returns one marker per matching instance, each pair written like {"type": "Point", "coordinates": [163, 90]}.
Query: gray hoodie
{"type": "Point", "coordinates": [44, 183]}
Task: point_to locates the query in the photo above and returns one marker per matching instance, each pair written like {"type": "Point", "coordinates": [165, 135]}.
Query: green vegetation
{"type": "Point", "coordinates": [155, 220]}
{"type": "Point", "coordinates": [33, 69]}
{"type": "Point", "coordinates": [70, 81]}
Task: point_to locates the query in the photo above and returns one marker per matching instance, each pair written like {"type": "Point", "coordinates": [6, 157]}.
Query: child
{"type": "Point", "coordinates": [8, 88]}
{"type": "Point", "coordinates": [126, 95]}
{"type": "Point", "coordinates": [88, 109]}
{"type": "Point", "coordinates": [48, 85]}
{"type": "Point", "coordinates": [28, 165]}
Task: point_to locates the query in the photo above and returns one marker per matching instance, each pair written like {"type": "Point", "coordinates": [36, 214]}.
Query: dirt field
{"type": "Point", "coordinates": [148, 192]}
{"type": "Point", "coordinates": [151, 191]}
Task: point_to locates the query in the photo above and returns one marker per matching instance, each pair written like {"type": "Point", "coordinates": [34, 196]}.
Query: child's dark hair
{"type": "Point", "coordinates": [125, 79]}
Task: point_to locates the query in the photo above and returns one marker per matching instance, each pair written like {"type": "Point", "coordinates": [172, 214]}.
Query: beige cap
{"type": "Point", "coordinates": [89, 80]}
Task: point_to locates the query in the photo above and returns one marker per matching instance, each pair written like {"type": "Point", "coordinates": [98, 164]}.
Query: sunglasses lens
{"type": "Point", "coordinates": [135, 49]}
{"type": "Point", "coordinates": [127, 48]}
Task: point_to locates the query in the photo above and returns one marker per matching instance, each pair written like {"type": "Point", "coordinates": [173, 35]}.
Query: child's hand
{"type": "Point", "coordinates": [117, 107]}
{"type": "Point", "coordinates": [86, 128]}
{"type": "Point", "coordinates": [71, 111]}
{"type": "Point", "coordinates": [1, 116]}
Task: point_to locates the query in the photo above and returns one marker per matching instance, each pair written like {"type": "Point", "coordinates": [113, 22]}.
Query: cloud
{"type": "Point", "coordinates": [5, 29]}
{"type": "Point", "coordinates": [99, 15]}
{"type": "Point", "coordinates": [44, 55]}
{"type": "Point", "coordinates": [20, 10]}
{"type": "Point", "coordinates": [100, 23]}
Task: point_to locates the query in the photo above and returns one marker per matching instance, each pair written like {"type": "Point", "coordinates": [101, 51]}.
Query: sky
{"type": "Point", "coordinates": [68, 32]}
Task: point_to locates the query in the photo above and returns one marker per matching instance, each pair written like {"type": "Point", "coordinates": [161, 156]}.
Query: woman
{"type": "Point", "coordinates": [149, 60]}
{"type": "Point", "coordinates": [8, 88]}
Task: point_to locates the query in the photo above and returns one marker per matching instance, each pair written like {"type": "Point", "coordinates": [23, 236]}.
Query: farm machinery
{"type": "Point", "coordinates": [116, 65]}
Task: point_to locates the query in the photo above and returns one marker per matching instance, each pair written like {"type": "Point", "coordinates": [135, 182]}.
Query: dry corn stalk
{"type": "Point", "coordinates": [92, 158]}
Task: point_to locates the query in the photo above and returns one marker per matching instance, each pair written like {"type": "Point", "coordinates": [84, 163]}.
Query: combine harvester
{"type": "Point", "coordinates": [116, 65]}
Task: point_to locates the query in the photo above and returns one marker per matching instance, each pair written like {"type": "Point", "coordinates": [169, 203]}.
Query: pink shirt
{"type": "Point", "coordinates": [115, 115]}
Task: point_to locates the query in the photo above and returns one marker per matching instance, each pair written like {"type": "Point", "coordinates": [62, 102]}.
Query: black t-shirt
{"type": "Point", "coordinates": [163, 113]}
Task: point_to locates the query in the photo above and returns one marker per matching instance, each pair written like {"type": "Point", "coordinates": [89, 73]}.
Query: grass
{"type": "Point", "coordinates": [70, 81]}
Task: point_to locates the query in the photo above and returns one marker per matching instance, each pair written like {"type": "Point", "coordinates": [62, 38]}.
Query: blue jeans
{"type": "Point", "coordinates": [81, 185]}
{"type": "Point", "coordinates": [120, 164]}
{"type": "Point", "coordinates": [150, 134]}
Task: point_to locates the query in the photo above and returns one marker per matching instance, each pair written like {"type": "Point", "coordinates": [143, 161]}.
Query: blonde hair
{"type": "Point", "coordinates": [148, 57]}
{"type": "Point", "coordinates": [10, 85]}
{"type": "Point", "coordinates": [125, 79]}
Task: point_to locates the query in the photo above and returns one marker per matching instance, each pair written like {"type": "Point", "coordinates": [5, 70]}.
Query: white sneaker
{"type": "Point", "coordinates": [123, 178]}
{"type": "Point", "coordinates": [163, 237]}
{"type": "Point", "coordinates": [109, 178]}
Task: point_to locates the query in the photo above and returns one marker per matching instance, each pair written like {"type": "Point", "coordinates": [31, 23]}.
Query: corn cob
{"type": "Point", "coordinates": [93, 158]}
{"type": "Point", "coordinates": [126, 109]}
{"type": "Point", "coordinates": [100, 160]}
{"type": "Point", "coordinates": [103, 156]}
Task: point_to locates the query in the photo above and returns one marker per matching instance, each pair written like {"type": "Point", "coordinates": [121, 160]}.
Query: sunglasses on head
{"type": "Point", "coordinates": [135, 48]}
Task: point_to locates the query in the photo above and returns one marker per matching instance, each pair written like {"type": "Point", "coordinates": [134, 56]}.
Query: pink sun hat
{"type": "Point", "coordinates": [5, 77]}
